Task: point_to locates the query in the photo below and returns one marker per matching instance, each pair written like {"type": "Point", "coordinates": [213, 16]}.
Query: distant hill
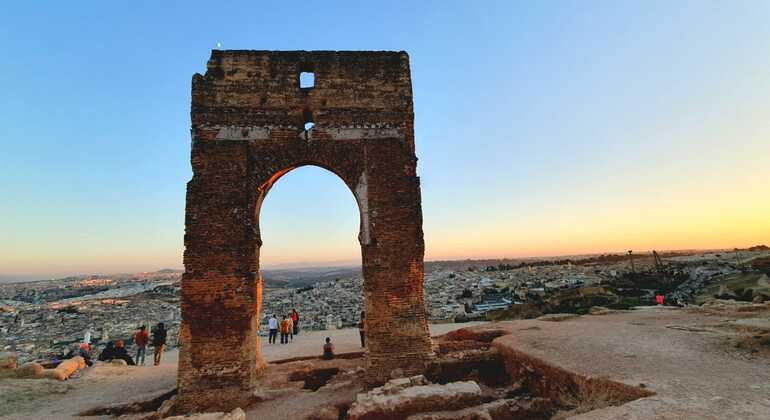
{"type": "Point", "coordinates": [307, 276]}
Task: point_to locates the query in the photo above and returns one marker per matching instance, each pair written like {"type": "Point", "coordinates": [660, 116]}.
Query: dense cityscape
{"type": "Point", "coordinates": [42, 320]}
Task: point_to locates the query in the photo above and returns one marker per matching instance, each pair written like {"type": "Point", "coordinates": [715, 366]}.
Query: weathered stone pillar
{"type": "Point", "coordinates": [397, 335]}
{"type": "Point", "coordinates": [221, 286]}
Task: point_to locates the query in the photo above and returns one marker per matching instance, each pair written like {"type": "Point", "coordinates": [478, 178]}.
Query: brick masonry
{"type": "Point", "coordinates": [248, 129]}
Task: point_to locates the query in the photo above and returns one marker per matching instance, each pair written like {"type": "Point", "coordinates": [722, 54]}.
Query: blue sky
{"type": "Point", "coordinates": [542, 128]}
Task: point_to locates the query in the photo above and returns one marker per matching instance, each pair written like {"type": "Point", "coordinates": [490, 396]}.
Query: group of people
{"type": "Point", "coordinates": [117, 350]}
{"type": "Point", "coordinates": [288, 327]}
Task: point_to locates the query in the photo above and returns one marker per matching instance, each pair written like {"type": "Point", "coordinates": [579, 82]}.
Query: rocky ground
{"type": "Point", "coordinates": [710, 362]}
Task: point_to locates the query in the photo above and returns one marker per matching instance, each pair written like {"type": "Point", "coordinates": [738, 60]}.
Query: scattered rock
{"type": "Point", "coordinates": [236, 414]}
{"type": "Point", "coordinates": [515, 408]}
{"type": "Point", "coordinates": [686, 328]}
{"type": "Point", "coordinates": [557, 317]}
{"type": "Point", "coordinates": [166, 408]}
{"type": "Point", "coordinates": [29, 371]}
{"type": "Point", "coordinates": [599, 310]}
{"type": "Point", "coordinates": [485, 335]}
{"type": "Point", "coordinates": [262, 394]}
{"type": "Point", "coordinates": [8, 360]}
{"type": "Point", "coordinates": [326, 413]}
{"type": "Point", "coordinates": [377, 404]}
{"type": "Point", "coordinates": [419, 380]}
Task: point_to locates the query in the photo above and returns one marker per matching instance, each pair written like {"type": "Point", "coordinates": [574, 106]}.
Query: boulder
{"type": "Point", "coordinates": [29, 371]}
{"type": "Point", "coordinates": [118, 362]}
{"type": "Point", "coordinates": [65, 368]}
{"type": "Point", "coordinates": [598, 310]}
{"type": "Point", "coordinates": [402, 402]}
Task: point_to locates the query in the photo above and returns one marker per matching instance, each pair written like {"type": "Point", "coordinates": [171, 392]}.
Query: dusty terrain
{"type": "Point", "coordinates": [695, 371]}
{"type": "Point", "coordinates": [690, 358]}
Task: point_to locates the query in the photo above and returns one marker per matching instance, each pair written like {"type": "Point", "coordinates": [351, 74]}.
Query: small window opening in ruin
{"type": "Point", "coordinates": [306, 80]}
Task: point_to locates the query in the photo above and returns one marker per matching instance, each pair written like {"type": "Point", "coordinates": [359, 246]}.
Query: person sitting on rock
{"type": "Point", "coordinates": [85, 353]}
{"type": "Point", "coordinates": [122, 354]}
{"type": "Point", "coordinates": [108, 353]}
{"type": "Point", "coordinates": [328, 349]}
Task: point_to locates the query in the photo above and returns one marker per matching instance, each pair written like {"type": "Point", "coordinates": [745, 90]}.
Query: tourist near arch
{"type": "Point", "coordinates": [254, 120]}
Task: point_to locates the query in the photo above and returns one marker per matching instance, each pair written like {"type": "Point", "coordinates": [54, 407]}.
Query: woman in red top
{"type": "Point", "coordinates": [295, 320]}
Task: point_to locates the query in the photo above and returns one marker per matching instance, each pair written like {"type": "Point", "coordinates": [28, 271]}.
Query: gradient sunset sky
{"type": "Point", "coordinates": [542, 127]}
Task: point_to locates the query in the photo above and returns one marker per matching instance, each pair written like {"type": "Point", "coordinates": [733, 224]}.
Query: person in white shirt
{"type": "Point", "coordinates": [272, 323]}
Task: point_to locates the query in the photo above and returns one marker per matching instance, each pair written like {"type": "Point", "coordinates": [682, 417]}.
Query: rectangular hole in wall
{"type": "Point", "coordinates": [306, 79]}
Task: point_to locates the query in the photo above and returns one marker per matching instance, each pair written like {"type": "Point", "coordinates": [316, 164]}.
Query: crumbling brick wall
{"type": "Point", "coordinates": [248, 129]}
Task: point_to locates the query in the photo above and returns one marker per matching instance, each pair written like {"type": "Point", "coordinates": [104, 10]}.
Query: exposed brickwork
{"type": "Point", "coordinates": [248, 116]}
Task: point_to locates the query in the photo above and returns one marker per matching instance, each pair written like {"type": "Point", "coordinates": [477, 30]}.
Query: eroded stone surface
{"type": "Point", "coordinates": [236, 414]}
{"type": "Point", "coordinates": [248, 130]}
{"type": "Point", "coordinates": [396, 400]}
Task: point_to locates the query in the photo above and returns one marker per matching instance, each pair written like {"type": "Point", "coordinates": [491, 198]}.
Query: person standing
{"type": "Point", "coordinates": [291, 327]}
{"type": "Point", "coordinates": [362, 329]}
{"type": "Point", "coordinates": [159, 341]}
{"type": "Point", "coordinates": [285, 330]}
{"type": "Point", "coordinates": [295, 320]}
{"type": "Point", "coordinates": [141, 339]}
{"type": "Point", "coordinates": [272, 324]}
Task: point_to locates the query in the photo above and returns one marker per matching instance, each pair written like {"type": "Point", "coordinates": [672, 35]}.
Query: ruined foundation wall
{"type": "Point", "coordinates": [248, 118]}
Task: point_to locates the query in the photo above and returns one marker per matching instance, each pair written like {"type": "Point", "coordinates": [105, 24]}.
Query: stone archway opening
{"type": "Point", "coordinates": [309, 225]}
{"type": "Point", "coordinates": [248, 116]}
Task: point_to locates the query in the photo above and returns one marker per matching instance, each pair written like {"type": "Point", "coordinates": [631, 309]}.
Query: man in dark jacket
{"type": "Point", "coordinates": [159, 341]}
{"type": "Point", "coordinates": [108, 353]}
{"type": "Point", "coordinates": [122, 354]}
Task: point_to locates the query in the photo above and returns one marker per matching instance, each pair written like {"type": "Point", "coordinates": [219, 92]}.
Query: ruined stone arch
{"type": "Point", "coordinates": [264, 189]}
{"type": "Point", "coordinates": [248, 116]}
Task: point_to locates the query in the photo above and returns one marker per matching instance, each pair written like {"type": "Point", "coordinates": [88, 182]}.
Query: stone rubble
{"type": "Point", "coordinates": [398, 398]}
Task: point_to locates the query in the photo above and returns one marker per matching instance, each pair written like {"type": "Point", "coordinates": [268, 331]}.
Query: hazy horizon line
{"type": "Point", "coordinates": [13, 278]}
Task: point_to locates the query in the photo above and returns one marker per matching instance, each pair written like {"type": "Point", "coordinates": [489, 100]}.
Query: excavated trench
{"type": "Point", "coordinates": [513, 385]}
{"type": "Point", "coordinates": [517, 385]}
{"type": "Point", "coordinates": [136, 407]}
